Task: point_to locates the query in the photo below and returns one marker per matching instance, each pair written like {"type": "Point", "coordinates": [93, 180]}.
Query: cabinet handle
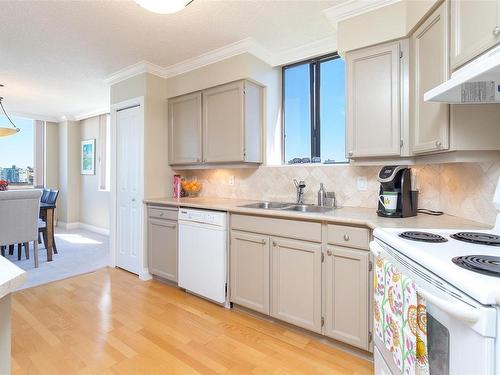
{"type": "Point", "coordinates": [346, 237]}
{"type": "Point", "coordinates": [496, 30]}
{"type": "Point", "coordinates": [263, 242]}
{"type": "Point", "coordinates": [133, 199]}
{"type": "Point", "coordinates": [274, 243]}
{"type": "Point", "coordinates": [350, 153]}
{"type": "Point", "coordinates": [329, 253]}
{"type": "Point", "coordinates": [161, 214]}
{"type": "Point", "coordinates": [438, 144]}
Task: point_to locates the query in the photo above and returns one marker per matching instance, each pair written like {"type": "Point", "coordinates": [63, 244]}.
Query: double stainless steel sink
{"type": "Point", "coordinates": [288, 207]}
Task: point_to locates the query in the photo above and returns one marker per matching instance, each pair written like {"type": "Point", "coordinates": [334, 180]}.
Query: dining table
{"type": "Point", "coordinates": [47, 215]}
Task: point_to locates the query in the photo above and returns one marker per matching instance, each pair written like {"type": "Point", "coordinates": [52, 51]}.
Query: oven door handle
{"type": "Point", "coordinates": [458, 310]}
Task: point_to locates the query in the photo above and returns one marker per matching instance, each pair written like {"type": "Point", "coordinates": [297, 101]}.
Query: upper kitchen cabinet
{"type": "Point", "coordinates": [475, 27]}
{"type": "Point", "coordinates": [232, 123]}
{"type": "Point", "coordinates": [429, 68]}
{"type": "Point", "coordinates": [184, 115]}
{"type": "Point", "coordinates": [219, 125]}
{"type": "Point", "coordinates": [376, 98]}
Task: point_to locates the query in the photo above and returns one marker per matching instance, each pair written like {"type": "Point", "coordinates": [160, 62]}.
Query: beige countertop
{"type": "Point", "coordinates": [361, 216]}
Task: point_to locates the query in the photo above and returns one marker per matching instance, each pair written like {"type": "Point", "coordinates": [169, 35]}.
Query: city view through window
{"type": "Point", "coordinates": [16, 153]}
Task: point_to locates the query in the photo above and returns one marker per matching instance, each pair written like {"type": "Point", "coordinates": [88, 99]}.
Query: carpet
{"type": "Point", "coordinates": [80, 251]}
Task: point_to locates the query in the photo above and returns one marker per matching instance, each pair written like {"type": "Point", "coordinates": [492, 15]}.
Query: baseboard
{"type": "Point", "coordinates": [94, 229]}
{"type": "Point", "coordinates": [85, 226]}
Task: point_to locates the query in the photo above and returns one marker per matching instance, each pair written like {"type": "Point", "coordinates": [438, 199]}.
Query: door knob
{"type": "Point", "coordinates": [438, 144]}
{"type": "Point", "coordinates": [329, 253]}
{"type": "Point", "coordinates": [133, 199]}
{"type": "Point", "coordinates": [496, 30]}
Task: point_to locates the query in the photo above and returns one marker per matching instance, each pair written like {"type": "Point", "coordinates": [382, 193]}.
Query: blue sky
{"type": "Point", "coordinates": [17, 149]}
{"type": "Point", "coordinates": [332, 114]}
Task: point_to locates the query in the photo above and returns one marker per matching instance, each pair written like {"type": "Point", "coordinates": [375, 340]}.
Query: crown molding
{"type": "Point", "coordinates": [34, 116]}
{"type": "Point", "coordinates": [86, 115]}
{"type": "Point", "coordinates": [247, 45]}
{"type": "Point", "coordinates": [134, 70]}
{"type": "Point", "coordinates": [313, 49]}
{"type": "Point", "coordinates": [353, 8]}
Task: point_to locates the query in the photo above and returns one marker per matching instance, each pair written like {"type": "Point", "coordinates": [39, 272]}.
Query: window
{"type": "Point", "coordinates": [313, 111]}
{"type": "Point", "coordinates": [17, 159]}
{"type": "Point", "coordinates": [104, 153]}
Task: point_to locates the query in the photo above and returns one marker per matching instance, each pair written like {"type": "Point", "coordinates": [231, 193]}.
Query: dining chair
{"type": "Point", "coordinates": [51, 199]}
{"type": "Point", "coordinates": [19, 219]}
{"type": "Point", "coordinates": [45, 195]}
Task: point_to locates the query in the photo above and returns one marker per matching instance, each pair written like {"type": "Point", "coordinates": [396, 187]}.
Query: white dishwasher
{"type": "Point", "coordinates": [203, 253]}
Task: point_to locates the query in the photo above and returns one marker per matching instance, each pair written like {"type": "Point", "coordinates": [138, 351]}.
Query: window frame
{"type": "Point", "coordinates": [315, 99]}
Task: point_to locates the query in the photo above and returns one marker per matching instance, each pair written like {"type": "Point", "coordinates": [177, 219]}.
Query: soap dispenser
{"type": "Point", "coordinates": [321, 195]}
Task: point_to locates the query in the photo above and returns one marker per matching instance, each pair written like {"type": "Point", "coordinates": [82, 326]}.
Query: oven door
{"type": "Point", "coordinates": [460, 331]}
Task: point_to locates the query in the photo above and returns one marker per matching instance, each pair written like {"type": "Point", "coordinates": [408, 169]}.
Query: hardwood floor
{"type": "Point", "coordinates": [109, 322]}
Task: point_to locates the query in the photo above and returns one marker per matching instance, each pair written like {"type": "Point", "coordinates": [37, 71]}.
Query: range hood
{"type": "Point", "coordinates": [476, 82]}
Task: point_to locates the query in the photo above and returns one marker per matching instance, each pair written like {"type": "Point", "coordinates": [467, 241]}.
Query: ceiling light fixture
{"type": "Point", "coordinates": [164, 6]}
{"type": "Point", "coordinates": [5, 131]}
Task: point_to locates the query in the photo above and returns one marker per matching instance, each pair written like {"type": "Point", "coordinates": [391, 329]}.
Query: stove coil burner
{"type": "Point", "coordinates": [478, 238]}
{"type": "Point", "coordinates": [423, 237]}
{"type": "Point", "coordinates": [485, 264]}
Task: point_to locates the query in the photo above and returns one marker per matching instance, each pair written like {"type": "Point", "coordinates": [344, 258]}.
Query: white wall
{"type": "Point", "coordinates": [94, 203]}
{"type": "Point", "coordinates": [51, 155]}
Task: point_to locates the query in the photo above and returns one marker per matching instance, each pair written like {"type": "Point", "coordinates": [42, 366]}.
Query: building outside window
{"type": "Point", "coordinates": [17, 153]}
{"type": "Point", "coordinates": [313, 111]}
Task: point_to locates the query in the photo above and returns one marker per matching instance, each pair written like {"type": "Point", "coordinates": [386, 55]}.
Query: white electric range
{"type": "Point", "coordinates": [458, 273]}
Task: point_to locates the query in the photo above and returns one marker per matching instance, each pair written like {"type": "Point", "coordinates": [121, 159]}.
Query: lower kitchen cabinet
{"type": "Point", "coordinates": [296, 282]}
{"type": "Point", "coordinates": [347, 295]}
{"type": "Point", "coordinates": [249, 279]}
{"type": "Point", "coordinates": [162, 248]}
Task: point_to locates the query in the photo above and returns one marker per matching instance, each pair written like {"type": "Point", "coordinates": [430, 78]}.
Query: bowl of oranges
{"type": "Point", "coordinates": [191, 187]}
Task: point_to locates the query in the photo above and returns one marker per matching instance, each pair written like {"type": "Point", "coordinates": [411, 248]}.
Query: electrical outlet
{"type": "Point", "coordinates": [362, 184]}
{"type": "Point", "coordinates": [231, 181]}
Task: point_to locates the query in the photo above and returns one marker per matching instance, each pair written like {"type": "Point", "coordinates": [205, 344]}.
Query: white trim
{"type": "Point", "coordinates": [33, 116]}
{"type": "Point", "coordinates": [134, 70]}
{"type": "Point", "coordinates": [93, 228]}
{"type": "Point", "coordinates": [352, 8]}
{"type": "Point", "coordinates": [84, 226]}
{"type": "Point", "coordinates": [86, 115]}
{"type": "Point", "coordinates": [68, 226]}
{"type": "Point", "coordinates": [247, 45]}
{"type": "Point", "coordinates": [313, 49]}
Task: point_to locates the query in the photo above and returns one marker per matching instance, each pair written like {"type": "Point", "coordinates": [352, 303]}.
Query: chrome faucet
{"type": "Point", "coordinates": [300, 185]}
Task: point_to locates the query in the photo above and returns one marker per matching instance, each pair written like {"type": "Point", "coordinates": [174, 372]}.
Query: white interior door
{"type": "Point", "coordinates": [129, 188]}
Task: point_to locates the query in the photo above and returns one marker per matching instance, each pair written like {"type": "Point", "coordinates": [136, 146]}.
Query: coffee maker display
{"type": "Point", "coordinates": [396, 197]}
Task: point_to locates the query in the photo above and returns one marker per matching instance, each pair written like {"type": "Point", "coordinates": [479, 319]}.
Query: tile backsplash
{"type": "Point", "coordinates": [459, 189]}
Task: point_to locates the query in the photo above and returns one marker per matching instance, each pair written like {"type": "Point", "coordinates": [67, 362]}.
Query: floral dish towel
{"type": "Point", "coordinates": [400, 318]}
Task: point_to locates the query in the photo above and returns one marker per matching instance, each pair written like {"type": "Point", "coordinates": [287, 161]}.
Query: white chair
{"type": "Point", "coordinates": [19, 211]}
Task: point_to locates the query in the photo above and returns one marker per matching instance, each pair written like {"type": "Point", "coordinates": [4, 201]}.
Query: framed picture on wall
{"type": "Point", "coordinates": [88, 157]}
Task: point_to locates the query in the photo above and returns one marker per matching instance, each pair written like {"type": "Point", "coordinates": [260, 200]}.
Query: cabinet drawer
{"type": "Point", "coordinates": [303, 230]}
{"type": "Point", "coordinates": [163, 213]}
{"type": "Point", "coordinates": [348, 236]}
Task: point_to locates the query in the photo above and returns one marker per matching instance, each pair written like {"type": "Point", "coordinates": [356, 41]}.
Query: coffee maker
{"type": "Point", "coordinates": [396, 197]}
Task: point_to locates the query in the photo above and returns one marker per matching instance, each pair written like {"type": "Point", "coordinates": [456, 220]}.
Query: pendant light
{"type": "Point", "coordinates": [5, 131]}
{"type": "Point", "coordinates": [164, 6]}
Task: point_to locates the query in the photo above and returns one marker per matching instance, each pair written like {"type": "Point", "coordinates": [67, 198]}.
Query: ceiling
{"type": "Point", "coordinates": [56, 54]}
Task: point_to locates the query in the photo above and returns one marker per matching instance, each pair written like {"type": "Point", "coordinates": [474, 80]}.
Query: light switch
{"type": "Point", "coordinates": [362, 184]}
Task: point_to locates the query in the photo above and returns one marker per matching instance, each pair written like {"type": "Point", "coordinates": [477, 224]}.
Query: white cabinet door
{"type": "Point", "coordinates": [184, 117]}
{"type": "Point", "coordinates": [373, 105]}
{"type": "Point", "coordinates": [129, 195]}
{"type": "Point", "coordinates": [346, 312]}
{"type": "Point", "coordinates": [474, 28]}
{"type": "Point", "coordinates": [249, 259]}
{"type": "Point", "coordinates": [430, 67]}
{"type": "Point", "coordinates": [223, 123]}
{"type": "Point", "coordinates": [296, 283]}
